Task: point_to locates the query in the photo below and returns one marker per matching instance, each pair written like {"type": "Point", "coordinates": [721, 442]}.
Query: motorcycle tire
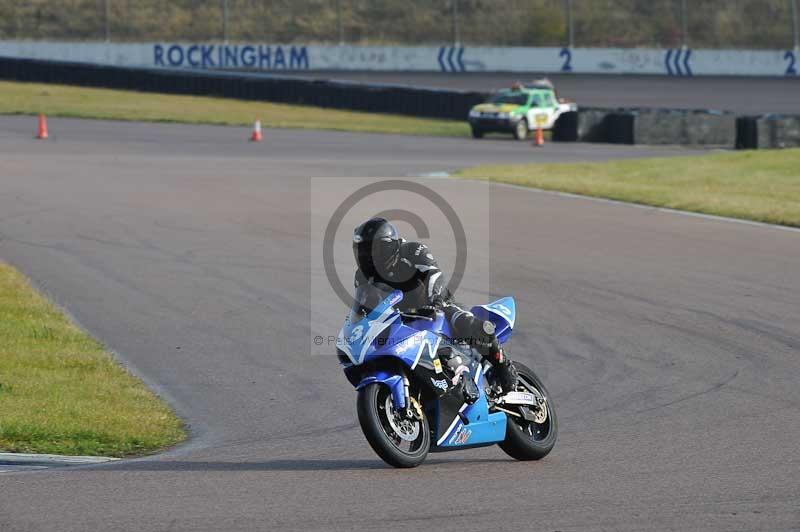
{"type": "Point", "coordinates": [384, 440]}
{"type": "Point", "coordinates": [527, 440]}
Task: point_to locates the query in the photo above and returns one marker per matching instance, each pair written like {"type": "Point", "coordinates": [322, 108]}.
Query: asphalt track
{"type": "Point", "coordinates": [669, 343]}
{"type": "Point", "coordinates": [738, 94]}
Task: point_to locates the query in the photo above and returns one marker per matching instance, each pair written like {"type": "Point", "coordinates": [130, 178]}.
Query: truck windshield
{"type": "Point", "coordinates": [516, 98]}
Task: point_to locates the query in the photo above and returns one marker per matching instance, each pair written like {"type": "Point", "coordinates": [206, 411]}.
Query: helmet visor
{"type": "Point", "coordinates": [377, 256]}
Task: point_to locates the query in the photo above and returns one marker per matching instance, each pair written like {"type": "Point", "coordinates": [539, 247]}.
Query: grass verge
{"type": "Point", "coordinates": [763, 186]}
{"type": "Point", "coordinates": [62, 393]}
{"type": "Point", "coordinates": [80, 102]}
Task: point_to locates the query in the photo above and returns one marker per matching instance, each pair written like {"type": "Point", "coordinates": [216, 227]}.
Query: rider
{"type": "Point", "coordinates": [382, 256]}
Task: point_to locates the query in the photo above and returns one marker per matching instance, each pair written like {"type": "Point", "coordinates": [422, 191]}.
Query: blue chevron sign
{"type": "Point", "coordinates": [673, 62]}
{"type": "Point", "coordinates": [451, 59]}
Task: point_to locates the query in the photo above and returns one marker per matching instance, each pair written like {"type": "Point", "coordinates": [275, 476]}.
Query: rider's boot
{"type": "Point", "coordinates": [461, 375]}
{"type": "Point", "coordinates": [482, 334]}
{"type": "Point", "coordinates": [504, 371]}
{"type": "Point", "coordinates": [471, 393]}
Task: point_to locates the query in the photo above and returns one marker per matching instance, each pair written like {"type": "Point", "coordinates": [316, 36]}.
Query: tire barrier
{"type": "Point", "coordinates": [592, 125]}
{"type": "Point", "coordinates": [648, 126]}
{"type": "Point", "coordinates": [778, 131]}
{"type": "Point", "coordinates": [586, 125]}
{"type": "Point", "coordinates": [688, 128]}
{"type": "Point", "coordinates": [767, 131]}
{"type": "Point", "coordinates": [566, 127]}
{"type": "Point", "coordinates": [746, 133]}
{"type": "Point", "coordinates": [412, 101]}
{"type": "Point", "coordinates": [618, 126]}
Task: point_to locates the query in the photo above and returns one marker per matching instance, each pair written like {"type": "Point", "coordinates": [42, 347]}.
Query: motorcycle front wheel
{"type": "Point", "coordinates": [399, 440]}
{"type": "Point", "coordinates": [531, 440]}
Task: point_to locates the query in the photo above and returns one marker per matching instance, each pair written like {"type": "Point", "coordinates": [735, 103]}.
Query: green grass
{"type": "Point", "coordinates": [62, 393]}
{"type": "Point", "coordinates": [754, 185]}
{"type": "Point", "coordinates": [80, 102]}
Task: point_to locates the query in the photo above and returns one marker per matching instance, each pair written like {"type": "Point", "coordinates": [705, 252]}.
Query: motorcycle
{"type": "Point", "coordinates": [421, 391]}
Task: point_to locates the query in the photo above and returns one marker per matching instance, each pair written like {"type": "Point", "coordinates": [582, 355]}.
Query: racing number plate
{"type": "Point", "coordinates": [520, 398]}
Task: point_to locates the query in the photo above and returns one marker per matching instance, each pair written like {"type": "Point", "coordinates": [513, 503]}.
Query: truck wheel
{"type": "Point", "coordinates": [477, 133]}
{"type": "Point", "coordinates": [521, 130]}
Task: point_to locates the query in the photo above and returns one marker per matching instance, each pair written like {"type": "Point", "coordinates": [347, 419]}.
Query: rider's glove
{"type": "Point", "coordinates": [427, 310]}
{"type": "Point", "coordinates": [438, 301]}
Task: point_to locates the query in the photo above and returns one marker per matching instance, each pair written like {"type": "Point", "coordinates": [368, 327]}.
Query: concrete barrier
{"type": "Point", "coordinates": [278, 57]}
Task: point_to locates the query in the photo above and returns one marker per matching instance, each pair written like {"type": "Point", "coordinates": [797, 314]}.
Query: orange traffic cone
{"type": "Point", "coordinates": [256, 136]}
{"type": "Point", "coordinates": [538, 140]}
{"type": "Point", "coordinates": [42, 134]}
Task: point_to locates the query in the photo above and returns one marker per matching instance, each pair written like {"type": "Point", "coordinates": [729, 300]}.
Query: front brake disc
{"type": "Point", "coordinates": [405, 428]}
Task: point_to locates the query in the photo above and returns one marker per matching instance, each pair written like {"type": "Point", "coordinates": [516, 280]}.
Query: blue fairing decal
{"type": "Point", "coordinates": [503, 313]}
{"type": "Point", "coordinates": [506, 308]}
{"type": "Point", "coordinates": [411, 350]}
{"type": "Point", "coordinates": [355, 339]}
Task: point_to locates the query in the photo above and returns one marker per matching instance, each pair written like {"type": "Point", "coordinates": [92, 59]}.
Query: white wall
{"type": "Point", "coordinates": [277, 57]}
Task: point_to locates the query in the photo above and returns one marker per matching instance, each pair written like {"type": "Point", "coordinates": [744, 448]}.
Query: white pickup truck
{"type": "Point", "coordinates": [519, 110]}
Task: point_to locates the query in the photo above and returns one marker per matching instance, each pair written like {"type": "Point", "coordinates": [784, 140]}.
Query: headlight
{"type": "Point", "coordinates": [502, 115]}
{"type": "Point", "coordinates": [474, 114]}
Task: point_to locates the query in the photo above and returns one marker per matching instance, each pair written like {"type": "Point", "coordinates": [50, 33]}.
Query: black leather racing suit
{"type": "Point", "coordinates": [418, 276]}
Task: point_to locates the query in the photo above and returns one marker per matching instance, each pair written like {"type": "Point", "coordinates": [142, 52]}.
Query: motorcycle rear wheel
{"type": "Point", "coordinates": [528, 440]}
{"type": "Point", "coordinates": [374, 407]}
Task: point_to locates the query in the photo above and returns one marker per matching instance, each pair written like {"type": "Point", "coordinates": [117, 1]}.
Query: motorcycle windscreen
{"type": "Point", "coordinates": [371, 313]}
{"type": "Point", "coordinates": [369, 297]}
{"type": "Point", "coordinates": [503, 313]}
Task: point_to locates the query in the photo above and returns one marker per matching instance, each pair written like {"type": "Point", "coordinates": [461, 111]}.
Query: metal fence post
{"type": "Point", "coordinates": [684, 26]}
{"type": "Point", "coordinates": [225, 21]}
{"type": "Point", "coordinates": [570, 28]}
{"type": "Point", "coordinates": [107, 19]}
{"type": "Point", "coordinates": [456, 29]}
{"type": "Point", "coordinates": [795, 30]}
{"type": "Point", "coordinates": [339, 27]}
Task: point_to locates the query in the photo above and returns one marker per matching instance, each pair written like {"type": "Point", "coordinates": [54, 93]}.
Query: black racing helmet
{"type": "Point", "coordinates": [376, 247]}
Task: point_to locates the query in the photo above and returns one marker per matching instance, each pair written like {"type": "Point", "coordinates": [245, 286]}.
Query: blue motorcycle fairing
{"type": "Point", "coordinates": [503, 313]}
{"type": "Point", "coordinates": [355, 339]}
{"type": "Point", "coordinates": [392, 380]}
{"type": "Point", "coordinates": [419, 346]}
{"type": "Point", "coordinates": [482, 427]}
{"type": "Point", "coordinates": [405, 342]}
